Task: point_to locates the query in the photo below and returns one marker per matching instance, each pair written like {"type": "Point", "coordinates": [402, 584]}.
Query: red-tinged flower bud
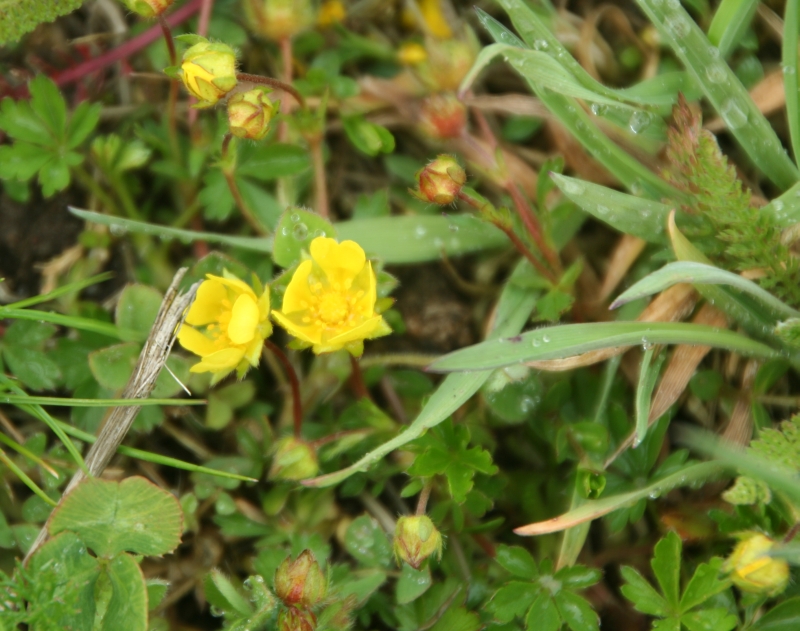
{"type": "Point", "coordinates": [279, 19]}
{"type": "Point", "coordinates": [415, 539]}
{"type": "Point", "coordinates": [208, 71]}
{"type": "Point", "coordinates": [440, 181]}
{"type": "Point", "coordinates": [148, 8]}
{"type": "Point", "coordinates": [293, 619]}
{"type": "Point", "coordinates": [294, 459]}
{"type": "Point", "coordinates": [300, 582]}
{"type": "Point", "coordinates": [443, 116]}
{"type": "Point", "coordinates": [250, 113]}
{"type": "Point", "coordinates": [754, 570]}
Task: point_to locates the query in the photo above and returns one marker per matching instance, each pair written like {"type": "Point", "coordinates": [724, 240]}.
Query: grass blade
{"type": "Point", "coordinates": [731, 21]}
{"type": "Point", "coordinates": [25, 479]}
{"type": "Point", "coordinates": [791, 85]}
{"type": "Point", "coordinates": [15, 399]}
{"type": "Point", "coordinates": [75, 322]}
{"type": "Point", "coordinates": [60, 291]}
{"type": "Point", "coordinates": [557, 342]}
{"type": "Point", "coordinates": [648, 373]}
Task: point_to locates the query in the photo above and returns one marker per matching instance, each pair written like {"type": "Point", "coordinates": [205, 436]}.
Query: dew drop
{"type": "Point", "coordinates": [777, 204]}
{"type": "Point", "coordinates": [678, 25]}
{"type": "Point", "coordinates": [420, 232]}
{"type": "Point", "coordinates": [285, 231]}
{"type": "Point", "coordinates": [295, 217]}
{"type": "Point", "coordinates": [639, 121]}
{"type": "Point", "coordinates": [546, 339]}
{"type": "Point", "coordinates": [300, 231]}
{"type": "Point", "coordinates": [536, 342]}
{"type": "Point", "coordinates": [733, 114]}
{"type": "Point", "coordinates": [571, 187]}
{"type": "Point", "coordinates": [603, 210]}
{"type": "Point", "coordinates": [541, 44]}
{"type": "Point", "coordinates": [715, 73]}
{"type": "Point", "coordinates": [598, 109]}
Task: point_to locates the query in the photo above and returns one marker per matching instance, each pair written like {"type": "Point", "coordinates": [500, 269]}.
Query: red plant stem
{"type": "Point", "coordinates": [230, 178]}
{"type": "Point", "coordinates": [127, 49]}
{"type": "Point", "coordinates": [288, 62]}
{"type": "Point", "coordinates": [297, 404]}
{"type": "Point", "coordinates": [202, 30]}
{"type": "Point", "coordinates": [357, 379]}
{"type": "Point", "coordinates": [172, 123]}
{"type": "Point", "coordinates": [422, 502]}
{"type": "Point", "coordinates": [532, 224]}
{"type": "Point", "coordinates": [320, 183]}
{"type": "Point", "coordinates": [273, 83]}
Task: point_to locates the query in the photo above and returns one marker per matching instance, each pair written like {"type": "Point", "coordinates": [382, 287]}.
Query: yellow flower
{"type": "Point", "coordinates": [331, 12]}
{"type": "Point", "coordinates": [435, 19]}
{"type": "Point", "coordinates": [753, 569]}
{"type": "Point", "coordinates": [228, 326]}
{"type": "Point", "coordinates": [208, 71]}
{"type": "Point", "coordinates": [411, 54]}
{"type": "Point", "coordinates": [330, 301]}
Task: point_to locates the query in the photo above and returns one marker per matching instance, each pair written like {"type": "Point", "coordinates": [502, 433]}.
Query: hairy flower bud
{"type": "Point", "coordinates": [148, 8]}
{"type": "Point", "coordinates": [279, 19]}
{"type": "Point", "coordinates": [415, 539]}
{"type": "Point", "coordinates": [440, 181]}
{"type": "Point", "coordinates": [753, 570]}
{"type": "Point", "coordinates": [443, 116]}
{"type": "Point", "coordinates": [294, 459]}
{"type": "Point", "coordinates": [293, 619]}
{"type": "Point", "coordinates": [208, 71]}
{"type": "Point", "coordinates": [300, 582]}
{"type": "Point", "coordinates": [250, 113]}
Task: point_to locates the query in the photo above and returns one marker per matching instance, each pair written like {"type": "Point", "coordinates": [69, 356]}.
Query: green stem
{"type": "Point", "coordinates": [228, 170]}
{"type": "Point", "coordinates": [88, 182]}
{"type": "Point", "coordinates": [24, 477]}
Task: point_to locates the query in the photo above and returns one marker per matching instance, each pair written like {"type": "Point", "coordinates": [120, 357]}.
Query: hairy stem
{"type": "Point", "coordinates": [422, 502]}
{"type": "Point", "coordinates": [297, 404]}
{"type": "Point", "coordinates": [230, 178]}
{"type": "Point", "coordinates": [320, 182]}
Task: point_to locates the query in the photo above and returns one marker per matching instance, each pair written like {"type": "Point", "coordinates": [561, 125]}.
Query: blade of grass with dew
{"type": "Point", "coordinates": [572, 115]}
{"type": "Point", "coordinates": [648, 374]}
{"type": "Point", "coordinates": [60, 291]}
{"type": "Point", "coordinates": [723, 89]}
{"type": "Point", "coordinates": [593, 509]}
{"type": "Point", "coordinates": [154, 458]}
{"type": "Point", "coordinates": [739, 307]}
{"type": "Point", "coordinates": [701, 274]}
{"type": "Point", "coordinates": [13, 399]}
{"type": "Point", "coordinates": [791, 82]}
{"type": "Point", "coordinates": [39, 412]}
{"type": "Point", "coordinates": [785, 209]}
{"type": "Point", "coordinates": [776, 476]}
{"type": "Point", "coordinates": [731, 20]}
{"type": "Point", "coordinates": [27, 453]}
{"type": "Point", "coordinates": [75, 322]}
{"type": "Point", "coordinates": [25, 479]}
{"type": "Point", "coordinates": [629, 214]}
{"type": "Point", "coordinates": [567, 340]}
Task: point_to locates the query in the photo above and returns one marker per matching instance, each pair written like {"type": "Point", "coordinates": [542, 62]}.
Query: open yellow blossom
{"type": "Point", "coordinates": [330, 301]}
{"type": "Point", "coordinates": [226, 326]}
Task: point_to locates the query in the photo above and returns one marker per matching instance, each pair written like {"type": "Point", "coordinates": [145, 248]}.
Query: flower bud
{"type": "Point", "coordinates": [294, 459]}
{"type": "Point", "coordinates": [293, 619]}
{"type": "Point", "coordinates": [440, 181]}
{"type": "Point", "coordinates": [208, 71]}
{"type": "Point", "coordinates": [753, 570]}
{"type": "Point", "coordinates": [279, 19]}
{"type": "Point", "coordinates": [148, 8]}
{"type": "Point", "coordinates": [249, 113]}
{"type": "Point", "coordinates": [448, 62]}
{"type": "Point", "coordinates": [300, 582]}
{"type": "Point", "coordinates": [331, 12]}
{"type": "Point", "coordinates": [411, 54]}
{"type": "Point", "coordinates": [415, 539]}
{"type": "Point", "coordinates": [443, 116]}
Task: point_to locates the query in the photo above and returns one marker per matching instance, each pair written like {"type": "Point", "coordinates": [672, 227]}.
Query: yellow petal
{"type": "Point", "coordinates": [195, 342]}
{"type": "Point", "coordinates": [298, 296]}
{"type": "Point", "coordinates": [208, 303]}
{"type": "Point", "coordinates": [365, 282]}
{"type": "Point", "coordinates": [244, 319]}
{"type": "Point", "coordinates": [238, 286]}
{"type": "Point", "coordinates": [263, 304]}
{"type": "Point", "coordinates": [329, 255]}
{"type": "Point", "coordinates": [253, 351]}
{"type": "Point", "coordinates": [364, 331]}
{"type": "Point", "coordinates": [311, 334]}
{"type": "Point", "coordinates": [225, 360]}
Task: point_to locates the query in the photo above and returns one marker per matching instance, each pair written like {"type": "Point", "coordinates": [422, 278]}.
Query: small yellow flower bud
{"type": "Point", "coordinates": [441, 181]}
{"type": "Point", "coordinates": [294, 460]}
{"type": "Point", "coordinates": [300, 582]}
{"type": "Point", "coordinates": [148, 8]}
{"type": "Point", "coordinates": [443, 116]}
{"type": "Point", "coordinates": [411, 54]}
{"type": "Point", "coordinates": [753, 570]}
{"type": "Point", "coordinates": [331, 12]}
{"type": "Point", "coordinates": [250, 113]}
{"type": "Point", "coordinates": [293, 619]}
{"type": "Point", "coordinates": [448, 62]}
{"type": "Point", "coordinates": [415, 539]}
{"type": "Point", "coordinates": [208, 71]}
{"type": "Point", "coordinates": [279, 19]}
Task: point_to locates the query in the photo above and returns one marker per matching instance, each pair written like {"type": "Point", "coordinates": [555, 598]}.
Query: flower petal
{"type": "Point", "coordinates": [298, 296]}
{"type": "Point", "coordinates": [329, 255]}
{"type": "Point", "coordinates": [238, 286]}
{"type": "Point", "coordinates": [208, 303]}
{"type": "Point", "coordinates": [195, 342]}
{"type": "Point", "coordinates": [368, 329]}
{"type": "Point", "coordinates": [311, 333]}
{"type": "Point", "coordinates": [244, 320]}
{"type": "Point", "coordinates": [222, 361]}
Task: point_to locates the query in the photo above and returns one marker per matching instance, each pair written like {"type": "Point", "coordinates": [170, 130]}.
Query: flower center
{"type": "Point", "coordinates": [333, 308]}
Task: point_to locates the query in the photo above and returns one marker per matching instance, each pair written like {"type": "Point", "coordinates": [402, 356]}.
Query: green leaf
{"type": "Point", "coordinates": [703, 585]}
{"type": "Point", "coordinates": [789, 65]}
{"type": "Point", "coordinates": [48, 104]}
{"type": "Point", "coordinates": [28, 333]}
{"type": "Point", "coordinates": [269, 162]}
{"type": "Point", "coordinates": [710, 620]}
{"type": "Point", "coordinates": [458, 619]}
{"type": "Point", "coordinates": [412, 584]}
{"type": "Point", "coordinates": [368, 138]}
{"type": "Point", "coordinates": [518, 561]}
{"type": "Point", "coordinates": [111, 517]}
{"type": "Point", "coordinates": [32, 367]}
{"type": "Point", "coordinates": [667, 624]}
{"type": "Point", "coordinates": [294, 233]}
{"type": "Point", "coordinates": [648, 375]}
{"type": "Point", "coordinates": [557, 342]}
{"type": "Point", "coordinates": [156, 591]}
{"type": "Point", "coordinates": [578, 576]}
{"type": "Point", "coordinates": [731, 20]}
{"type": "Point", "coordinates": [576, 612]}
{"type": "Point", "coordinates": [18, 17]}
{"type": "Point", "coordinates": [19, 121]}
{"type": "Point", "coordinates": [112, 366]}
{"type": "Point", "coordinates": [784, 616]}
{"type": "Point", "coordinates": [82, 123]}
{"type": "Point", "coordinates": [366, 541]}
{"type": "Point", "coordinates": [643, 596]}
{"type": "Point", "coordinates": [512, 599]}
{"type": "Point", "coordinates": [543, 614]}
{"type": "Point", "coordinates": [666, 566]}
{"type": "Point", "coordinates": [64, 582]}
{"type": "Point", "coordinates": [127, 609]}
{"type": "Point", "coordinates": [137, 309]}
{"type": "Point", "coordinates": [221, 594]}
